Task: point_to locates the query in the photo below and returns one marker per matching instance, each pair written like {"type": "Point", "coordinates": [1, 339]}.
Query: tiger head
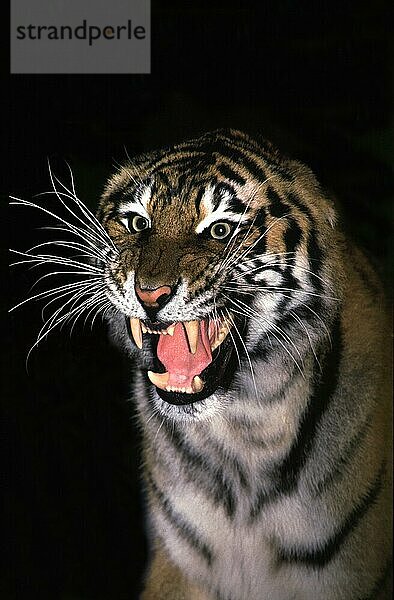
{"type": "Point", "coordinates": [223, 252]}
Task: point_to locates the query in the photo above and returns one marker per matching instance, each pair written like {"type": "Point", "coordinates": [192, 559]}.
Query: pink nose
{"type": "Point", "coordinates": [151, 297]}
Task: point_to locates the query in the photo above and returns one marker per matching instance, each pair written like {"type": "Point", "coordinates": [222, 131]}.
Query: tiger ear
{"type": "Point", "coordinates": [331, 212]}
{"type": "Point", "coordinates": [332, 216]}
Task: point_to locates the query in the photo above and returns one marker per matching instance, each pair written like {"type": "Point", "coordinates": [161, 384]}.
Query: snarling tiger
{"type": "Point", "coordinates": [258, 331]}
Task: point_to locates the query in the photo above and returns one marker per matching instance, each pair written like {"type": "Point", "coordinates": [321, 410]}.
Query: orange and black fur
{"type": "Point", "coordinates": [260, 338]}
{"type": "Point", "coordinates": [267, 471]}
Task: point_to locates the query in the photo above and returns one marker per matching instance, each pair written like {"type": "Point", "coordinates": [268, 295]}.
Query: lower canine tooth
{"type": "Point", "coordinates": [197, 384]}
{"type": "Point", "coordinates": [135, 326]}
{"type": "Point", "coordinates": [160, 380]}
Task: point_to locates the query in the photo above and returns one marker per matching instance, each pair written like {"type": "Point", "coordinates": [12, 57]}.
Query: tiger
{"type": "Point", "coordinates": [257, 336]}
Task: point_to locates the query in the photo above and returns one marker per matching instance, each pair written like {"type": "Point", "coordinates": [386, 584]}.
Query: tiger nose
{"type": "Point", "coordinates": [154, 298]}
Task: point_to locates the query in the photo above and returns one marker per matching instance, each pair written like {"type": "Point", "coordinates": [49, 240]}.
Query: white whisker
{"type": "Point", "coordinates": [51, 292]}
{"type": "Point", "coordinates": [86, 290]}
{"type": "Point", "coordinates": [254, 313]}
{"type": "Point", "coordinates": [285, 263]}
{"type": "Point", "coordinates": [56, 260]}
{"type": "Point", "coordinates": [246, 351]}
{"type": "Point", "coordinates": [83, 234]}
{"type": "Point", "coordinates": [85, 250]}
{"type": "Point", "coordinates": [254, 288]}
{"type": "Point", "coordinates": [100, 232]}
{"type": "Point", "coordinates": [297, 318]}
{"type": "Point", "coordinates": [246, 313]}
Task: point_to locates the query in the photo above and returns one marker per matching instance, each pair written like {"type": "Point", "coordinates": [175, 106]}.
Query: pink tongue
{"type": "Point", "coordinates": [180, 363]}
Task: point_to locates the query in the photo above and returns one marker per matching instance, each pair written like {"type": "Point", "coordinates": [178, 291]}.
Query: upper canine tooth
{"type": "Point", "coordinates": [135, 326]}
{"type": "Point", "coordinates": [160, 380]}
{"type": "Point", "coordinates": [191, 328]}
{"type": "Point", "coordinates": [221, 333]}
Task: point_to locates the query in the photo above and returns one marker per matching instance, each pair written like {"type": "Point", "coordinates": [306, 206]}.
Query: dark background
{"type": "Point", "coordinates": [315, 78]}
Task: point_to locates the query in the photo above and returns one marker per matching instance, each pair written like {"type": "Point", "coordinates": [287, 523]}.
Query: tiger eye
{"type": "Point", "coordinates": [138, 223]}
{"type": "Point", "coordinates": [219, 231]}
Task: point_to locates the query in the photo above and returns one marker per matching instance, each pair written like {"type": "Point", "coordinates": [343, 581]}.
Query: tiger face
{"type": "Point", "coordinates": [219, 257]}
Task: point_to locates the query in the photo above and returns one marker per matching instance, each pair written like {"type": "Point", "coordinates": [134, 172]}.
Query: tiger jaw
{"type": "Point", "coordinates": [161, 381]}
{"type": "Point", "coordinates": [184, 348]}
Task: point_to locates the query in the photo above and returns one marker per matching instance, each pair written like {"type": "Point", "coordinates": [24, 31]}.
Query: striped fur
{"type": "Point", "coordinates": [276, 485]}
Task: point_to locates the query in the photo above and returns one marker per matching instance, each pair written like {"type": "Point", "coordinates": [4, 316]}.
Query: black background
{"type": "Point", "coordinates": [314, 77]}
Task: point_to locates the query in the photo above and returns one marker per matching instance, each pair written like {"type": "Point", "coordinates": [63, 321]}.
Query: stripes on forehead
{"type": "Point", "coordinates": [139, 201]}
{"type": "Point", "coordinates": [218, 202]}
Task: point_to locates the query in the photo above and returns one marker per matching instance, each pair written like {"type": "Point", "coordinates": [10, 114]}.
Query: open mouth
{"type": "Point", "coordinates": [194, 356]}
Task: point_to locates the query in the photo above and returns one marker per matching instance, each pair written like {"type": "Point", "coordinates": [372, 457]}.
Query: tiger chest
{"type": "Point", "coordinates": [228, 555]}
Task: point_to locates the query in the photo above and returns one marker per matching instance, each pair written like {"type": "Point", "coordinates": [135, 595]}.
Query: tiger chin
{"type": "Point", "coordinates": [260, 339]}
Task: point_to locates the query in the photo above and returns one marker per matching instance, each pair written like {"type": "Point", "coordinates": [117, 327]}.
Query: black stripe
{"type": "Point", "coordinates": [286, 474]}
{"type": "Point", "coordinates": [289, 471]}
{"type": "Point", "coordinates": [181, 162]}
{"type": "Point", "coordinates": [229, 460]}
{"type": "Point", "coordinates": [315, 252]}
{"type": "Point", "coordinates": [129, 189]}
{"type": "Point", "coordinates": [185, 530]}
{"type": "Point", "coordinates": [163, 179]}
{"type": "Point", "coordinates": [237, 205]}
{"type": "Point", "coordinates": [293, 235]}
{"type": "Point", "coordinates": [287, 321]}
{"type": "Point", "coordinates": [277, 208]}
{"type": "Point", "coordinates": [173, 154]}
{"type": "Point", "coordinates": [260, 220]}
{"type": "Point", "coordinates": [315, 258]}
{"type": "Point", "coordinates": [223, 147]}
{"type": "Point", "coordinates": [191, 166]}
{"type": "Point", "coordinates": [227, 172]}
{"type": "Point", "coordinates": [321, 556]}
{"type": "Point", "coordinates": [219, 596]}
{"type": "Point", "coordinates": [297, 202]}
{"type": "Point", "coordinates": [191, 146]}
{"type": "Point", "coordinates": [260, 246]}
{"type": "Point", "coordinates": [260, 148]}
{"type": "Point", "coordinates": [211, 477]}
{"type": "Point", "coordinates": [205, 284]}
{"type": "Point", "coordinates": [197, 201]}
{"type": "Point", "coordinates": [251, 165]}
{"type": "Point", "coordinates": [222, 189]}
{"type": "Point", "coordinates": [206, 280]}
{"type": "Point", "coordinates": [235, 148]}
{"type": "Point", "coordinates": [306, 312]}
{"type": "Point", "coordinates": [261, 350]}
{"type": "Point", "coordinates": [292, 238]}
{"type": "Point", "coordinates": [345, 459]}
{"type": "Point", "coordinates": [241, 474]}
